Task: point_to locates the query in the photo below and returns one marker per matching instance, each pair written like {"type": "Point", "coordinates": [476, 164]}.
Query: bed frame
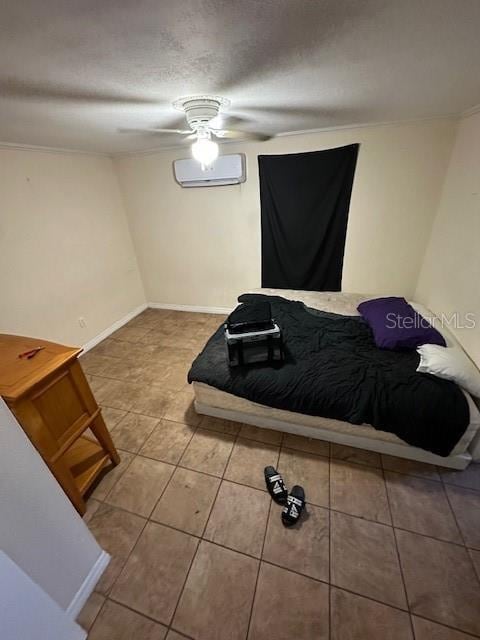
{"type": "Point", "coordinates": [344, 304]}
{"type": "Point", "coordinates": [458, 461]}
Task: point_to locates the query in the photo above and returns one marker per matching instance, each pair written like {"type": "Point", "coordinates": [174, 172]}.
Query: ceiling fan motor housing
{"type": "Point", "coordinates": [200, 110]}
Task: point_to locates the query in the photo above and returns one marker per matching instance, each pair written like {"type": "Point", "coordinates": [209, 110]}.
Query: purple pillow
{"type": "Point", "coordinates": [396, 325]}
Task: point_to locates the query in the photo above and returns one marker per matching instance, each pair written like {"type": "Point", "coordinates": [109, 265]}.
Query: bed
{"type": "Point", "coordinates": [211, 399]}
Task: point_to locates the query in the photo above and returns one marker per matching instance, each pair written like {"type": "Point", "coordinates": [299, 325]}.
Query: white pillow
{"type": "Point", "coordinates": [450, 363]}
{"type": "Point", "coordinates": [435, 321]}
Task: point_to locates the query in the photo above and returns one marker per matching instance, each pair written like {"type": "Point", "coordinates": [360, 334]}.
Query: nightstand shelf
{"type": "Point", "coordinates": [51, 399]}
{"type": "Point", "coordinates": [85, 459]}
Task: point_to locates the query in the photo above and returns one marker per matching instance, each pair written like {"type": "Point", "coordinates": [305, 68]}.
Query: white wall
{"type": "Point", "coordinates": [450, 275]}
{"type": "Point", "coordinates": [202, 246]}
{"type": "Point", "coordinates": [27, 612]}
{"type": "Point", "coordinates": [65, 248]}
{"type": "Point", "coordinates": [39, 529]}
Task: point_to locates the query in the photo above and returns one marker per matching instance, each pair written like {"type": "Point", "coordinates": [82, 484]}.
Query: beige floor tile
{"type": "Point", "coordinates": [168, 441]}
{"type": "Point", "coordinates": [364, 559]}
{"type": "Point", "coordinates": [176, 376]}
{"type": "Point", "coordinates": [248, 461]}
{"type": "Point", "coordinates": [475, 556]}
{"type": "Point", "coordinates": [164, 336]}
{"type": "Point", "coordinates": [208, 452]}
{"type": "Point", "coordinates": [288, 606]}
{"type": "Point", "coordinates": [118, 394]}
{"type": "Point", "coordinates": [359, 490]}
{"type": "Point", "coordinates": [132, 431]}
{"type": "Point", "coordinates": [421, 506]}
{"type": "Point", "coordinates": [215, 320]}
{"type": "Point", "coordinates": [190, 342]}
{"type": "Point", "coordinates": [188, 388]}
{"type": "Point", "coordinates": [130, 334]}
{"type": "Point", "coordinates": [269, 436]}
{"type": "Point", "coordinates": [184, 317]}
{"type": "Point", "coordinates": [135, 352]}
{"type": "Point", "coordinates": [112, 416]}
{"type": "Point", "coordinates": [440, 580]}
{"type": "Point", "coordinates": [304, 547]}
{"type": "Point", "coordinates": [144, 321]}
{"type": "Point", "coordinates": [181, 409]}
{"type": "Point", "coordinates": [119, 623]}
{"type": "Point", "coordinates": [308, 445]}
{"type": "Point", "coordinates": [157, 336]}
{"type": "Point", "coordinates": [92, 507]}
{"type": "Point", "coordinates": [96, 383]}
{"type": "Point", "coordinates": [188, 321]}
{"type": "Point", "coordinates": [466, 506]}
{"type": "Point", "coordinates": [95, 364]}
{"type": "Point", "coordinates": [152, 401]}
{"type": "Point", "coordinates": [239, 518]}
{"type": "Point", "coordinates": [90, 610]}
{"type": "Point", "coordinates": [410, 467]}
{"type": "Point", "coordinates": [358, 456]}
{"type": "Point", "coordinates": [427, 630]}
{"type": "Point", "coordinates": [140, 487]}
{"type": "Point", "coordinates": [173, 635]}
{"type": "Point", "coordinates": [356, 618]}
{"type": "Point", "coordinates": [116, 531]}
{"type": "Point", "coordinates": [111, 476]}
{"type": "Point", "coordinates": [308, 470]}
{"type": "Point", "coordinates": [218, 424]}
{"type": "Point", "coordinates": [154, 575]}
{"type": "Point", "coordinates": [153, 373]}
{"type": "Point", "coordinates": [128, 370]}
{"type": "Point", "coordinates": [151, 338]}
{"type": "Point", "coordinates": [154, 325]}
{"type": "Point", "coordinates": [469, 478]}
{"type": "Point", "coordinates": [187, 501]}
{"type": "Point", "coordinates": [169, 356]}
{"type": "Point", "coordinates": [218, 595]}
{"type": "Point", "coordinates": [110, 348]}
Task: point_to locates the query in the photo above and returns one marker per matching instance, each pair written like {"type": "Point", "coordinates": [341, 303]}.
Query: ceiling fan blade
{"type": "Point", "coordinates": [226, 120]}
{"type": "Point", "coordinates": [233, 134]}
{"type": "Point", "coordinates": [36, 91]}
{"type": "Point", "coordinates": [122, 130]}
{"type": "Point", "coordinates": [154, 130]}
{"type": "Point", "coordinates": [180, 131]}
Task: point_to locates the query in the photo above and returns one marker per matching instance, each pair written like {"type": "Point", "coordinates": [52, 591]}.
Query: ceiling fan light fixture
{"type": "Point", "coordinates": [205, 151]}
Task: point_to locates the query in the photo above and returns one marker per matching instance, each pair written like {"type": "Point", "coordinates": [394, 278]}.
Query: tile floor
{"type": "Point", "coordinates": [388, 548]}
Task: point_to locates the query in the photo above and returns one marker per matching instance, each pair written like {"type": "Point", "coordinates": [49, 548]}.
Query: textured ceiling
{"type": "Point", "coordinates": [74, 71]}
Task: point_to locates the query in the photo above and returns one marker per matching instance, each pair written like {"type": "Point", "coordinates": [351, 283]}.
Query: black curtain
{"type": "Point", "coordinates": [305, 199]}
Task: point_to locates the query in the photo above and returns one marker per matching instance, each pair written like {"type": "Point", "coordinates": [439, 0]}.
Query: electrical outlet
{"type": "Point", "coordinates": [82, 322]}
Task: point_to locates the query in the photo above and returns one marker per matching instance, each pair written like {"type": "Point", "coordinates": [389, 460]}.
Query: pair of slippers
{"type": "Point", "coordinates": [294, 501]}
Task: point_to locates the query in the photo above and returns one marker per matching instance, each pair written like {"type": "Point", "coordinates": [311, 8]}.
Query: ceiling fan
{"type": "Point", "coordinates": [203, 115]}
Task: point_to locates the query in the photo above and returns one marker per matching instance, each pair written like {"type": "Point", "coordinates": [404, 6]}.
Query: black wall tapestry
{"type": "Point", "coordinates": [305, 199]}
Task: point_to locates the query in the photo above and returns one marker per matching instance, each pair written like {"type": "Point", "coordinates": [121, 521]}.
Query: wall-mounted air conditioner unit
{"type": "Point", "coordinates": [229, 169]}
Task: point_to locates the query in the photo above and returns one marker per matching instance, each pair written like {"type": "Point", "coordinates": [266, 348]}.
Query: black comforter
{"type": "Point", "coordinates": [333, 369]}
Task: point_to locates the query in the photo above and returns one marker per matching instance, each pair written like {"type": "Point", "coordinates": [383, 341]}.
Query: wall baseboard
{"type": "Point", "coordinates": [192, 308]}
{"type": "Point", "coordinates": [151, 305]}
{"type": "Point", "coordinates": [116, 325]}
{"type": "Point", "coordinates": [88, 585]}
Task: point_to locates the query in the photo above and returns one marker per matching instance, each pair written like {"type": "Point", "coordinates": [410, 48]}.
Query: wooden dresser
{"type": "Point", "coordinates": [51, 399]}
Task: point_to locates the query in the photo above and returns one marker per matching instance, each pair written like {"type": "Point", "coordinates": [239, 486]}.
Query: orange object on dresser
{"type": "Point", "coordinates": [51, 399]}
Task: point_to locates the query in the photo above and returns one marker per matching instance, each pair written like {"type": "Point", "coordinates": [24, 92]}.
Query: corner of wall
{"type": "Point", "coordinates": [448, 279]}
{"type": "Point", "coordinates": [416, 290]}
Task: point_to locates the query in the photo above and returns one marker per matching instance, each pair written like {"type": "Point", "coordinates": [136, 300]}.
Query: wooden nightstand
{"type": "Point", "coordinates": [51, 399]}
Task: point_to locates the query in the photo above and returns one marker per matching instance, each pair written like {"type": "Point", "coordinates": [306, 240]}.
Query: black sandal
{"type": "Point", "coordinates": [295, 504]}
{"type": "Point", "coordinates": [275, 485]}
